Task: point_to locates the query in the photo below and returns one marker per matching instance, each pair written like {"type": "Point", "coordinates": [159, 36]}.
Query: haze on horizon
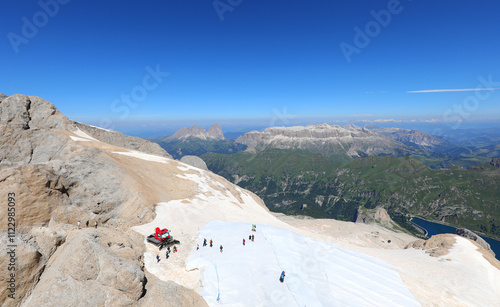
{"type": "Point", "coordinates": [156, 65]}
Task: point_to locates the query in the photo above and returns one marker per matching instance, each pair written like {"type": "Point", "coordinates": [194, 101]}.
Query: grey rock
{"type": "Point", "coordinates": [195, 161]}
{"type": "Point", "coordinates": [372, 216]}
{"type": "Point", "coordinates": [466, 233]}
{"type": "Point", "coordinates": [88, 271]}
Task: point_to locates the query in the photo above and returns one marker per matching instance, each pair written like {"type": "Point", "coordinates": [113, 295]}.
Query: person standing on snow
{"type": "Point", "coordinates": [157, 258]}
{"type": "Point", "coordinates": [243, 242]}
{"type": "Point", "coordinates": [79, 225]}
{"type": "Point", "coordinates": [282, 277]}
{"type": "Point", "coordinates": [221, 249]}
{"type": "Point", "coordinates": [204, 242]}
{"type": "Point", "coordinates": [211, 242]}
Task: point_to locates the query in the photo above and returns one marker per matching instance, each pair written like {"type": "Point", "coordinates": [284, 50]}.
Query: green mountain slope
{"type": "Point", "coordinates": [301, 183]}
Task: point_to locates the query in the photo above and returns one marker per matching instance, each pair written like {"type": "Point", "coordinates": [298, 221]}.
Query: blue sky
{"type": "Point", "coordinates": [244, 61]}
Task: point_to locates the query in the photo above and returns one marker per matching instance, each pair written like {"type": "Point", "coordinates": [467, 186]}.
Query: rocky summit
{"type": "Point", "coordinates": [61, 173]}
{"type": "Point", "coordinates": [193, 132]}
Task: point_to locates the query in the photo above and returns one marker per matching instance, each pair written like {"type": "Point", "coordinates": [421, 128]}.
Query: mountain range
{"type": "Point", "coordinates": [58, 174]}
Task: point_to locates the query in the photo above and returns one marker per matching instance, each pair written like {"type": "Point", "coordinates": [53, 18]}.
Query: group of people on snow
{"type": "Point", "coordinates": [250, 238]}
{"type": "Point", "coordinates": [167, 253]}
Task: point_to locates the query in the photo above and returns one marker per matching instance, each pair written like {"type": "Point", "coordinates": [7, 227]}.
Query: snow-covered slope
{"type": "Point", "coordinates": [317, 273]}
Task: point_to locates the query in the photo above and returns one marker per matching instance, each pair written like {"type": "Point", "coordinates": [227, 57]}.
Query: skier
{"type": "Point", "coordinates": [79, 225]}
{"type": "Point", "coordinates": [166, 254]}
{"type": "Point", "coordinates": [87, 223]}
{"type": "Point", "coordinates": [95, 224]}
{"type": "Point", "coordinates": [168, 249]}
{"type": "Point", "coordinates": [282, 277]}
{"type": "Point", "coordinates": [211, 242]}
{"type": "Point", "coordinates": [204, 242]}
{"type": "Point", "coordinates": [197, 246]}
{"type": "Point", "coordinates": [253, 237]}
{"type": "Point", "coordinates": [175, 249]}
{"type": "Point", "coordinates": [243, 242]}
{"type": "Point", "coordinates": [158, 258]}
{"type": "Point", "coordinates": [221, 249]}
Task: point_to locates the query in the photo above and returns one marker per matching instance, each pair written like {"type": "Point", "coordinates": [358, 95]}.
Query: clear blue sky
{"type": "Point", "coordinates": [257, 59]}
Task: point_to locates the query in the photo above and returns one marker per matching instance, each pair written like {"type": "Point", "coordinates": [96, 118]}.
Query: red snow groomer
{"type": "Point", "coordinates": [162, 238]}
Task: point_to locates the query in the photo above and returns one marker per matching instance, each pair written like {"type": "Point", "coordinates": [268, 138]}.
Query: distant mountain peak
{"type": "Point", "coordinates": [213, 133]}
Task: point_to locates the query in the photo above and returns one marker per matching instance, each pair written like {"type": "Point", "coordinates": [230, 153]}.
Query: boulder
{"type": "Point", "coordinates": [195, 162]}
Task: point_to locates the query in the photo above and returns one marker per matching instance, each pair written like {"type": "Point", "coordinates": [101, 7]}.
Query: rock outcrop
{"type": "Point", "coordinates": [495, 162]}
{"type": "Point", "coordinates": [377, 216]}
{"type": "Point", "coordinates": [195, 161]}
{"type": "Point", "coordinates": [466, 233]}
{"type": "Point", "coordinates": [436, 246]}
{"type": "Point", "coordinates": [214, 133]}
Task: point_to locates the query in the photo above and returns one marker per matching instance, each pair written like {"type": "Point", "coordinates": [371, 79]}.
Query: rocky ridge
{"type": "Point", "coordinates": [345, 142]}
{"type": "Point", "coordinates": [214, 133]}
{"type": "Point", "coordinates": [416, 138]}
{"type": "Point", "coordinates": [121, 140]}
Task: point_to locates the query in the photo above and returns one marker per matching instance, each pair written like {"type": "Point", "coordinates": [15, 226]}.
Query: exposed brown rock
{"type": "Point", "coordinates": [436, 246]}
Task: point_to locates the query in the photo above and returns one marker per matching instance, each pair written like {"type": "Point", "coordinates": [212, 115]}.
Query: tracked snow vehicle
{"type": "Point", "coordinates": [162, 238]}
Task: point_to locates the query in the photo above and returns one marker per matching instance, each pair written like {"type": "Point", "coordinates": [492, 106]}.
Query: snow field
{"type": "Point", "coordinates": [317, 273]}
